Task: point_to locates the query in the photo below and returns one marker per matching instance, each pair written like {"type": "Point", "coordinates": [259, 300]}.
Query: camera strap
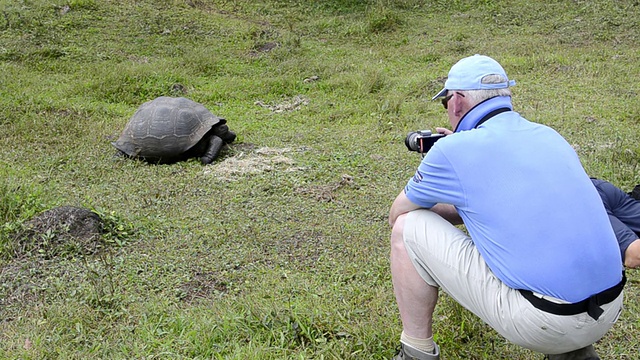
{"type": "Point", "coordinates": [490, 115]}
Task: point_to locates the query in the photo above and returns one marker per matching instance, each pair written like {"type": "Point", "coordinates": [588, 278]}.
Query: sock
{"type": "Point", "coordinates": [424, 345]}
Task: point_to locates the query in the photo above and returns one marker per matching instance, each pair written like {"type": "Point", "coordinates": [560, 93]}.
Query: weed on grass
{"type": "Point", "coordinates": [279, 249]}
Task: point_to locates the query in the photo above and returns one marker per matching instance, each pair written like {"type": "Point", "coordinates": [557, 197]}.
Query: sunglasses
{"type": "Point", "coordinates": [445, 100]}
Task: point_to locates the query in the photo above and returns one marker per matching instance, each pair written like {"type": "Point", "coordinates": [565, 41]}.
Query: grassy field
{"type": "Point", "coordinates": [278, 250]}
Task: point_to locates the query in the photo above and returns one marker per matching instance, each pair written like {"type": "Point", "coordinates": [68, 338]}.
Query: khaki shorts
{"type": "Point", "coordinates": [445, 257]}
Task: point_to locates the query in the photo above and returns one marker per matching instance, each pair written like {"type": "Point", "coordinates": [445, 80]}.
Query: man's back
{"type": "Point", "coordinates": [529, 207]}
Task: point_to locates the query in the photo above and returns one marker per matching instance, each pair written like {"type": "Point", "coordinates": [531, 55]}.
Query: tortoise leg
{"type": "Point", "coordinates": [212, 151]}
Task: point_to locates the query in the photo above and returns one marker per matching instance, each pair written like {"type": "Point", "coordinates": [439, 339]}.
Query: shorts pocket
{"type": "Point", "coordinates": [537, 330]}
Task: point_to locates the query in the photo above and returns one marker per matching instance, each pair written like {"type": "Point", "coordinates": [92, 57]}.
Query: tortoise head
{"type": "Point", "coordinates": [222, 131]}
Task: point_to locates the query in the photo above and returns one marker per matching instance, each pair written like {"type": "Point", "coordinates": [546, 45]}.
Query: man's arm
{"type": "Point", "coordinates": [402, 205]}
{"type": "Point", "coordinates": [448, 212]}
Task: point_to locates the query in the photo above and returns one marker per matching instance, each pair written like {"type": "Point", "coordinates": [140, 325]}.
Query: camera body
{"type": "Point", "coordinates": [421, 140]}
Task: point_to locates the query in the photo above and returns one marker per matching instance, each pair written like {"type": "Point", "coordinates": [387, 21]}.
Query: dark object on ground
{"type": "Point", "coordinates": [62, 230]}
{"type": "Point", "coordinates": [586, 353]}
{"type": "Point", "coordinates": [167, 129]}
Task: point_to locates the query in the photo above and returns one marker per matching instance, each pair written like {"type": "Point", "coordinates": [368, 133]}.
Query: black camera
{"type": "Point", "coordinates": [421, 140]}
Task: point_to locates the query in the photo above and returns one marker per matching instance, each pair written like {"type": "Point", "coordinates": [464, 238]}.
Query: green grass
{"type": "Point", "coordinates": [289, 262]}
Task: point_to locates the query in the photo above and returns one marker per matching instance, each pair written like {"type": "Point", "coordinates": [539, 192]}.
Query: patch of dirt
{"type": "Point", "coordinates": [287, 105]}
{"type": "Point", "coordinates": [252, 162]}
{"type": "Point", "coordinates": [203, 285]}
{"type": "Point", "coordinates": [326, 193]}
{"type": "Point", "coordinates": [263, 48]}
{"type": "Point", "coordinates": [311, 79]}
{"type": "Point", "coordinates": [178, 89]}
{"type": "Point", "coordinates": [65, 229]}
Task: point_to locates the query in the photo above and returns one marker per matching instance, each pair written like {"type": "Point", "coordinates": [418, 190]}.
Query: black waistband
{"type": "Point", "coordinates": [590, 305]}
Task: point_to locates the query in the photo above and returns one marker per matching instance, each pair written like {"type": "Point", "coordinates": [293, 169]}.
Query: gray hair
{"type": "Point", "coordinates": [477, 96]}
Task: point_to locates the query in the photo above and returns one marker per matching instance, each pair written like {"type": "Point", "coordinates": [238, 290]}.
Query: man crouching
{"type": "Point", "coordinates": [541, 264]}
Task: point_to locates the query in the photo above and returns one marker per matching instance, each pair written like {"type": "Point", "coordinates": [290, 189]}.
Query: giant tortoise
{"type": "Point", "coordinates": [168, 129]}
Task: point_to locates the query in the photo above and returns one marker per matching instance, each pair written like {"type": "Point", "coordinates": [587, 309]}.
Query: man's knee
{"type": "Point", "coordinates": [397, 232]}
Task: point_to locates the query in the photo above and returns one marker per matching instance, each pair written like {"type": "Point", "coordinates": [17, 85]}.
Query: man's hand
{"type": "Point", "coordinates": [632, 255]}
{"type": "Point", "coordinates": [445, 131]}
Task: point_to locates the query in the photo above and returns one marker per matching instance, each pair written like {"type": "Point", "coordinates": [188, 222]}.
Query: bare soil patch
{"type": "Point", "coordinates": [251, 161]}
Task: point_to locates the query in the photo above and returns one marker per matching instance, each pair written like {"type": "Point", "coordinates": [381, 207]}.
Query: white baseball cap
{"type": "Point", "coordinates": [467, 74]}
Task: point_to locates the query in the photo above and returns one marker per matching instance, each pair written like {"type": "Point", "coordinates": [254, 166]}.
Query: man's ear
{"type": "Point", "coordinates": [459, 104]}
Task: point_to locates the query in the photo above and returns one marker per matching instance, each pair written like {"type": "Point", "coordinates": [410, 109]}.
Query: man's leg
{"type": "Point", "coordinates": [445, 257]}
{"type": "Point", "coordinates": [416, 299]}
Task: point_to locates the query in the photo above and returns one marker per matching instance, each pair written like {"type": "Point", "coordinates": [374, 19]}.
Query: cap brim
{"type": "Point", "coordinates": [442, 93]}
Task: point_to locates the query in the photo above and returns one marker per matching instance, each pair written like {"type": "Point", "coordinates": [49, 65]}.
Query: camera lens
{"type": "Point", "coordinates": [411, 141]}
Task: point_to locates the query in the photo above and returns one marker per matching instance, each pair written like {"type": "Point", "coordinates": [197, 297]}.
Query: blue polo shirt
{"type": "Point", "coordinates": [527, 203]}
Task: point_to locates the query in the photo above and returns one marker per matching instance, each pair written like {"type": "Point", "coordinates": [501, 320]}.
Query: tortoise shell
{"type": "Point", "coordinates": [166, 128]}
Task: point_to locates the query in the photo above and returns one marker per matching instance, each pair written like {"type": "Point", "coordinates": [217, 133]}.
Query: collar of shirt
{"type": "Point", "coordinates": [478, 112]}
